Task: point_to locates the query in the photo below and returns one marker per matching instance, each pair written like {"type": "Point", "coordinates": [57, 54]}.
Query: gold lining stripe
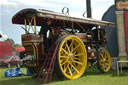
{"type": "Point", "coordinates": [37, 54]}
{"type": "Point", "coordinates": [32, 46]}
{"type": "Point", "coordinates": [34, 41]}
{"type": "Point", "coordinates": [30, 35]}
{"type": "Point", "coordinates": [91, 57]}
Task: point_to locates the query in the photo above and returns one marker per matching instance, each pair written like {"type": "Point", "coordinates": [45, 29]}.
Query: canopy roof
{"type": "Point", "coordinates": [42, 15]}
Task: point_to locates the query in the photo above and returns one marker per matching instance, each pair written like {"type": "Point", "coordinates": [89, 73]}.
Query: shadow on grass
{"type": "Point", "coordinates": [28, 80]}
{"type": "Point", "coordinates": [112, 73]}
{"type": "Point", "coordinates": [20, 81]}
{"type": "Point", "coordinates": [24, 80]}
{"type": "Point", "coordinates": [94, 71]}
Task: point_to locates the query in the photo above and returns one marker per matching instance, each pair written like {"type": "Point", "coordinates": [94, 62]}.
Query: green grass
{"type": "Point", "coordinates": [92, 76]}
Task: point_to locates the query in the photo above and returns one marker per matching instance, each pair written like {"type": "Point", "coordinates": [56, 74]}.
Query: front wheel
{"type": "Point", "coordinates": [71, 58]}
{"type": "Point", "coordinates": [104, 60]}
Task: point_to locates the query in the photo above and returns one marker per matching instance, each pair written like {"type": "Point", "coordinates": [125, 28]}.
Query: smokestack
{"type": "Point", "coordinates": [88, 6]}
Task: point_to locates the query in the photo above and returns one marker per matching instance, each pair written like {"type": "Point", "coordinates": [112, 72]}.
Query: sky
{"type": "Point", "coordinates": [8, 8]}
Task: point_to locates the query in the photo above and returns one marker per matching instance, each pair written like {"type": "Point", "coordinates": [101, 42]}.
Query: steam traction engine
{"type": "Point", "coordinates": [73, 43]}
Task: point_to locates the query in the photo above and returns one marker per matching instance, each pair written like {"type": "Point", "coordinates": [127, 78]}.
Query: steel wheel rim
{"type": "Point", "coordinates": [105, 60]}
{"type": "Point", "coordinates": [72, 57]}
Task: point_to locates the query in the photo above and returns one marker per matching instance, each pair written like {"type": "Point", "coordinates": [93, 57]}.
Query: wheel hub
{"type": "Point", "coordinates": [71, 56]}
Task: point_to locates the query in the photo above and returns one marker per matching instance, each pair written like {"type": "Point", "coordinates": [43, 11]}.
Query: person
{"type": "Point", "coordinates": [43, 32]}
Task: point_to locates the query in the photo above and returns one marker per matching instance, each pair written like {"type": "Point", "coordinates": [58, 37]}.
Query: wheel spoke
{"type": "Point", "coordinates": [75, 48]}
{"type": "Point", "coordinates": [106, 64]}
{"type": "Point", "coordinates": [71, 48]}
{"type": "Point", "coordinates": [106, 55]}
{"type": "Point", "coordinates": [63, 56]}
{"type": "Point", "coordinates": [78, 62]}
{"type": "Point", "coordinates": [67, 47]}
{"type": "Point", "coordinates": [70, 71]}
{"type": "Point", "coordinates": [65, 51]}
{"type": "Point", "coordinates": [79, 54]}
{"type": "Point", "coordinates": [71, 43]}
{"type": "Point", "coordinates": [102, 65]}
{"type": "Point", "coordinates": [101, 55]}
{"type": "Point", "coordinates": [66, 67]}
{"type": "Point", "coordinates": [101, 60]}
{"type": "Point", "coordinates": [75, 69]}
{"type": "Point", "coordinates": [74, 52]}
{"type": "Point", "coordinates": [64, 63]}
{"type": "Point", "coordinates": [76, 58]}
{"type": "Point", "coordinates": [61, 60]}
{"type": "Point", "coordinates": [74, 64]}
{"type": "Point", "coordinates": [71, 66]}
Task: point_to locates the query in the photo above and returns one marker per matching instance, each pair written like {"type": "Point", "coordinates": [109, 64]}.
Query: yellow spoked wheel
{"type": "Point", "coordinates": [104, 60]}
{"type": "Point", "coordinates": [71, 58]}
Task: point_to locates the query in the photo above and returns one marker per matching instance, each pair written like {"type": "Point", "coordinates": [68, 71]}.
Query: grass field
{"type": "Point", "coordinates": [91, 77]}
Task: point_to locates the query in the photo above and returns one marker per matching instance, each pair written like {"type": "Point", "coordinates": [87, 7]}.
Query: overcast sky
{"type": "Point", "coordinates": [8, 8]}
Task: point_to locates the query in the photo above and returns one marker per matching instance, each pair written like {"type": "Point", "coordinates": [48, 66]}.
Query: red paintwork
{"type": "Point", "coordinates": [10, 59]}
{"type": "Point", "coordinates": [17, 60]}
{"type": "Point", "coordinates": [20, 49]}
{"type": "Point", "coordinates": [126, 28]}
{"type": "Point", "coordinates": [5, 49]}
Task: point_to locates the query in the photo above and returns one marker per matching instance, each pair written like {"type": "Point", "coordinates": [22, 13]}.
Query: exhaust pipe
{"type": "Point", "coordinates": [88, 7]}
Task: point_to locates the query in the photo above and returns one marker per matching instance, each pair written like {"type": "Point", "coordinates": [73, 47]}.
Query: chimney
{"type": "Point", "coordinates": [88, 6]}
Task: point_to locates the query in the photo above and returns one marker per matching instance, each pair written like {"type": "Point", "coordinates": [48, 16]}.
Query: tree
{"type": "Point", "coordinates": [10, 40]}
{"type": "Point", "coordinates": [13, 43]}
{"type": "Point", "coordinates": [17, 45]}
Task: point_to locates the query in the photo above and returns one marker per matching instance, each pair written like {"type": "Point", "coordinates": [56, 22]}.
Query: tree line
{"type": "Point", "coordinates": [14, 45]}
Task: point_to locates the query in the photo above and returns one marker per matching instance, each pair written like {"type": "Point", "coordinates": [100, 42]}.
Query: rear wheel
{"type": "Point", "coordinates": [71, 58]}
{"type": "Point", "coordinates": [104, 60]}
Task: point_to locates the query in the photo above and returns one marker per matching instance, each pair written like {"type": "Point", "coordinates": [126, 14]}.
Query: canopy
{"type": "Point", "coordinates": [42, 15]}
